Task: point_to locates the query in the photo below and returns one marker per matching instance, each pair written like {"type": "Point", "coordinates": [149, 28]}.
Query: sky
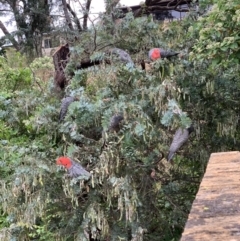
{"type": "Point", "coordinates": [96, 7]}
{"type": "Point", "coordinates": [99, 4]}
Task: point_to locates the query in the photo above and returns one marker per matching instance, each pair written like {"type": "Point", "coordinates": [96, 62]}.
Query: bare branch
{"type": "Point", "coordinates": [10, 37]}
{"type": "Point", "coordinates": [5, 10]}
{"type": "Point", "coordinates": [86, 13]}
{"type": "Point", "coordinates": [68, 20]}
{"type": "Point", "coordinates": [95, 35]}
{"type": "Point", "coordinates": [111, 6]}
{"type": "Point", "coordinates": [76, 20]}
{"type": "Point", "coordinates": [35, 79]}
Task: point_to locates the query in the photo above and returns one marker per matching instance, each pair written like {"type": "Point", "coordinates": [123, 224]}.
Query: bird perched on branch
{"type": "Point", "coordinates": [122, 55]}
{"type": "Point", "coordinates": [74, 168]}
{"type": "Point", "coordinates": [157, 53]}
{"type": "Point", "coordinates": [180, 137]}
{"type": "Point", "coordinates": [115, 122]}
{"type": "Point", "coordinates": [64, 107]}
{"type": "Point", "coordinates": [114, 126]}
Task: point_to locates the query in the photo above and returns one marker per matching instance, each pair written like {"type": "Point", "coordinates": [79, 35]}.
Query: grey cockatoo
{"type": "Point", "coordinates": [74, 168]}
{"type": "Point", "coordinates": [115, 122]}
{"type": "Point", "coordinates": [114, 126]}
{"type": "Point", "coordinates": [122, 55]}
{"type": "Point", "coordinates": [64, 106]}
{"type": "Point", "coordinates": [180, 137]}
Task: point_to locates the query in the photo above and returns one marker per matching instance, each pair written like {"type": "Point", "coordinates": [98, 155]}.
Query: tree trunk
{"type": "Point", "coordinates": [38, 43]}
{"type": "Point", "coordinates": [85, 15]}
{"type": "Point", "coordinates": [10, 37]}
{"type": "Point", "coordinates": [68, 19]}
{"type": "Point", "coordinates": [76, 20]}
{"type": "Point", "coordinates": [60, 60]}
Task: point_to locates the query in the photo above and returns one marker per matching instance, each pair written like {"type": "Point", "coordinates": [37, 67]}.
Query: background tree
{"type": "Point", "coordinates": [34, 18]}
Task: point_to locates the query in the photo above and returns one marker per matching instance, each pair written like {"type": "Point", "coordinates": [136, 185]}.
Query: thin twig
{"type": "Point", "coordinates": [34, 77]}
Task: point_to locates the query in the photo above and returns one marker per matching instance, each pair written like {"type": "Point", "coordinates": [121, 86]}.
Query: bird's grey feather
{"type": "Point", "coordinates": [113, 126]}
{"type": "Point", "coordinates": [180, 137]}
{"type": "Point", "coordinates": [115, 123]}
{"type": "Point", "coordinates": [167, 53]}
{"type": "Point", "coordinates": [123, 55]}
{"type": "Point", "coordinates": [64, 107]}
{"type": "Point", "coordinates": [77, 170]}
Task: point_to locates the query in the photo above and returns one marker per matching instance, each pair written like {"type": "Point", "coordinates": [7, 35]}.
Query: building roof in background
{"type": "Point", "coordinates": [157, 6]}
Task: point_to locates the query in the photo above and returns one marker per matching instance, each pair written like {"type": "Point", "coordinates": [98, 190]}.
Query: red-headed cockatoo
{"type": "Point", "coordinates": [74, 168]}
{"type": "Point", "coordinates": [157, 53]}
{"type": "Point", "coordinates": [180, 137]}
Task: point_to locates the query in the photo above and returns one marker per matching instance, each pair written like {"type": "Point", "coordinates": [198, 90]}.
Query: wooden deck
{"type": "Point", "coordinates": [215, 213]}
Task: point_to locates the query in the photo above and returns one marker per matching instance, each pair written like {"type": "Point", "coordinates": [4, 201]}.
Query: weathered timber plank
{"type": "Point", "coordinates": [215, 213]}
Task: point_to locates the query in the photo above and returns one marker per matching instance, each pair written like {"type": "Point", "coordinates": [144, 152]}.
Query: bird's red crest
{"type": "Point", "coordinates": [64, 161]}
{"type": "Point", "coordinates": [155, 54]}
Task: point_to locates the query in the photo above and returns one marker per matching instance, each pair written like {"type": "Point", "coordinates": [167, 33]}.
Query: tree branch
{"type": "Point", "coordinates": [9, 36]}
{"type": "Point", "coordinates": [95, 35]}
{"type": "Point", "coordinates": [111, 6]}
{"type": "Point", "coordinates": [85, 16]}
{"type": "Point", "coordinates": [75, 18]}
{"type": "Point", "coordinates": [68, 20]}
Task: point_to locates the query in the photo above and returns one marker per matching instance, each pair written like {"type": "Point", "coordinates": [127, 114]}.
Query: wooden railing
{"type": "Point", "coordinates": [215, 213]}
